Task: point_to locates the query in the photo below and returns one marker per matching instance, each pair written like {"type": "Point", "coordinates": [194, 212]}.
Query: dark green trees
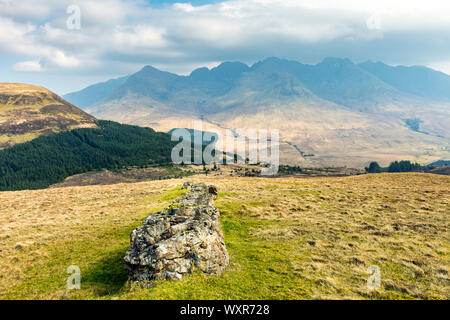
{"type": "Point", "coordinates": [404, 166]}
{"type": "Point", "coordinates": [396, 166]}
{"type": "Point", "coordinates": [374, 167]}
{"type": "Point", "coordinates": [49, 159]}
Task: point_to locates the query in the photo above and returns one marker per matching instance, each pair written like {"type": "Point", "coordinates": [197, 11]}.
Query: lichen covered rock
{"type": "Point", "coordinates": [172, 241]}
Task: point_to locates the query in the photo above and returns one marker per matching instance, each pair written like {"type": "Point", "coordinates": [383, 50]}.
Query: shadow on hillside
{"type": "Point", "coordinates": [107, 276]}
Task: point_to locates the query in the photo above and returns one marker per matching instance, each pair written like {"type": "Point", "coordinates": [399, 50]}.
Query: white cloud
{"type": "Point", "coordinates": [25, 9]}
{"type": "Point", "coordinates": [28, 66]}
{"type": "Point", "coordinates": [187, 7]}
{"type": "Point", "coordinates": [124, 34]}
{"type": "Point", "coordinates": [13, 36]}
{"type": "Point", "coordinates": [140, 36]}
{"type": "Point", "coordinates": [62, 60]}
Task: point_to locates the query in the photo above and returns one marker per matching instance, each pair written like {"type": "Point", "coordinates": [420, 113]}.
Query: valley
{"type": "Point", "coordinates": [341, 112]}
{"type": "Point", "coordinates": [224, 158]}
{"type": "Point", "coordinates": [149, 173]}
{"type": "Point", "coordinates": [73, 187]}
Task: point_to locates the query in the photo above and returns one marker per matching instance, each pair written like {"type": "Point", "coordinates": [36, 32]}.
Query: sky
{"type": "Point", "coordinates": [68, 45]}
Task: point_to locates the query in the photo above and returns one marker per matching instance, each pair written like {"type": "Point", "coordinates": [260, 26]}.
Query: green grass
{"type": "Point", "coordinates": [259, 269]}
{"type": "Point", "coordinates": [173, 194]}
{"type": "Point", "coordinates": [99, 256]}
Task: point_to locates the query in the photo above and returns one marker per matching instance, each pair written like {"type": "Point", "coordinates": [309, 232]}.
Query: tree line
{"type": "Point", "coordinates": [50, 159]}
{"type": "Point", "coordinates": [396, 166]}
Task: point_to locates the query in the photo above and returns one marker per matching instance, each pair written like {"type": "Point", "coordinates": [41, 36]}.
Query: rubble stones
{"type": "Point", "coordinates": [185, 234]}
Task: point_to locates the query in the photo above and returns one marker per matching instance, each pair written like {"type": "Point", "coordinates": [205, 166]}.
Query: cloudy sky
{"type": "Point", "coordinates": [40, 41]}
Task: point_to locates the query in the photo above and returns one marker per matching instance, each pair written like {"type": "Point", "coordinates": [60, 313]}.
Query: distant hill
{"type": "Point", "coordinates": [439, 163]}
{"type": "Point", "coordinates": [443, 169]}
{"type": "Point", "coordinates": [49, 159]}
{"type": "Point", "coordinates": [28, 111]}
{"type": "Point", "coordinates": [343, 113]}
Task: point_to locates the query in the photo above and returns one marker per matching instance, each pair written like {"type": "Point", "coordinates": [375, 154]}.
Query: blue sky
{"type": "Point", "coordinates": [119, 37]}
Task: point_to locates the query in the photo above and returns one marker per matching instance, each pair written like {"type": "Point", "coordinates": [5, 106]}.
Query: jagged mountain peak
{"type": "Point", "coordinates": [365, 87]}
{"type": "Point", "coordinates": [224, 71]}
{"type": "Point", "coordinates": [336, 62]}
{"type": "Point", "coordinates": [231, 66]}
{"type": "Point", "coordinates": [335, 108]}
{"type": "Point", "coordinates": [274, 63]}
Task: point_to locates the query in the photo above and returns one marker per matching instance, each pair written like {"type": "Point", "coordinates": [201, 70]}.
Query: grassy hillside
{"type": "Point", "coordinates": [288, 238]}
{"type": "Point", "coordinates": [28, 111]}
{"type": "Point", "coordinates": [49, 159]}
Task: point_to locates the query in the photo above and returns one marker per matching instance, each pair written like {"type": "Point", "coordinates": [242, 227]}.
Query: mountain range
{"type": "Point", "coordinates": [336, 112]}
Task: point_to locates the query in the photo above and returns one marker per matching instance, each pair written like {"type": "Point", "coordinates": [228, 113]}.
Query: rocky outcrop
{"type": "Point", "coordinates": [185, 234]}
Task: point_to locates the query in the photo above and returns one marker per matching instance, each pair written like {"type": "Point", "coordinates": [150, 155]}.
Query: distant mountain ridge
{"type": "Point", "coordinates": [416, 80]}
{"type": "Point", "coordinates": [344, 113]}
{"type": "Point", "coordinates": [94, 93]}
{"type": "Point", "coordinates": [335, 79]}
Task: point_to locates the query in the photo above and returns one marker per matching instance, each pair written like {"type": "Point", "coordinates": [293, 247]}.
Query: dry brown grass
{"type": "Point", "coordinates": [328, 231]}
{"type": "Point", "coordinates": [21, 88]}
{"type": "Point", "coordinates": [28, 111]}
{"type": "Point", "coordinates": [30, 221]}
{"type": "Point", "coordinates": [399, 222]}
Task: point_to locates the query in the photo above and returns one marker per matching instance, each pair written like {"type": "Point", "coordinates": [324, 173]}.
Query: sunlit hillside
{"type": "Point", "coordinates": [29, 111]}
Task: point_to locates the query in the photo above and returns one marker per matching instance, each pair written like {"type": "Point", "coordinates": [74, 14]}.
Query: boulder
{"type": "Point", "coordinates": [171, 242]}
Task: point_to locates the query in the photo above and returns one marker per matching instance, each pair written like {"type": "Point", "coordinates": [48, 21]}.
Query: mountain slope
{"type": "Point", "coordinates": [336, 80]}
{"type": "Point", "coordinates": [417, 80]}
{"type": "Point", "coordinates": [343, 82]}
{"type": "Point", "coordinates": [218, 80]}
{"type": "Point", "coordinates": [93, 94]}
{"type": "Point", "coordinates": [336, 110]}
{"type": "Point", "coordinates": [339, 80]}
{"type": "Point", "coordinates": [28, 111]}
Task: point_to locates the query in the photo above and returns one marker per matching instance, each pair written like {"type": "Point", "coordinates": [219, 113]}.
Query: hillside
{"type": "Point", "coordinates": [49, 159]}
{"type": "Point", "coordinates": [28, 111]}
{"type": "Point", "coordinates": [288, 238]}
{"type": "Point", "coordinates": [339, 81]}
{"type": "Point", "coordinates": [340, 112]}
{"type": "Point", "coordinates": [417, 80]}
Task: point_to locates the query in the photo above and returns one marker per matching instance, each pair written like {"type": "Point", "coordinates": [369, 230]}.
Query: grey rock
{"type": "Point", "coordinates": [171, 242]}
